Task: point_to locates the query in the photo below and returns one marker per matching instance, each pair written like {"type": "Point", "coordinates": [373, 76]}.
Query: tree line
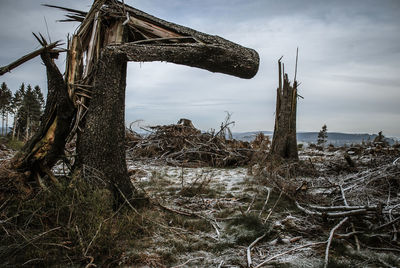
{"type": "Point", "coordinates": [25, 106]}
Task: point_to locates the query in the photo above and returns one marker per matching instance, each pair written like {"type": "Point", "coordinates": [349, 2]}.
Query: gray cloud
{"type": "Point", "coordinates": [349, 61]}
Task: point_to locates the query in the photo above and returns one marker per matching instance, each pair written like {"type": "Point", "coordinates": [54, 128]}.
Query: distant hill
{"type": "Point", "coordinates": [249, 136]}
{"type": "Point", "coordinates": [335, 138]}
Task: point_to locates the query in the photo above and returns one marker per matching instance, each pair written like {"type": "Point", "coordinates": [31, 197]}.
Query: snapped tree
{"type": "Point", "coordinates": [284, 141]}
{"type": "Point", "coordinates": [89, 101]}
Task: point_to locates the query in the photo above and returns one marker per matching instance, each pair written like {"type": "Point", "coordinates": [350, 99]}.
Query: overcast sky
{"type": "Point", "coordinates": [349, 61]}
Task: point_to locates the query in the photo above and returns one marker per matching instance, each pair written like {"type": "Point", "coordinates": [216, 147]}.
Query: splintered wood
{"type": "Point", "coordinates": [284, 142]}
{"type": "Point", "coordinates": [142, 37]}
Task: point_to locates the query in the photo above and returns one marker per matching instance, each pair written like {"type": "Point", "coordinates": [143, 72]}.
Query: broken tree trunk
{"type": "Point", "coordinates": [101, 145]}
{"type": "Point", "coordinates": [284, 142]}
{"type": "Point", "coordinates": [46, 147]}
{"type": "Point", "coordinates": [233, 60]}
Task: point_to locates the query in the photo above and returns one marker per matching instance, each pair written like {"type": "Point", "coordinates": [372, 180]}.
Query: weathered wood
{"type": "Point", "coordinates": [90, 60]}
{"type": "Point", "coordinates": [114, 34]}
{"type": "Point", "coordinates": [284, 142]}
{"type": "Point", "coordinates": [74, 65]}
{"type": "Point", "coordinates": [210, 52]}
{"type": "Point", "coordinates": [153, 29]}
{"type": "Point", "coordinates": [46, 147]}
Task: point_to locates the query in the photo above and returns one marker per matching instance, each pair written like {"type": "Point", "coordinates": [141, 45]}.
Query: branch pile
{"type": "Point", "coordinates": [183, 145]}
{"type": "Point", "coordinates": [368, 196]}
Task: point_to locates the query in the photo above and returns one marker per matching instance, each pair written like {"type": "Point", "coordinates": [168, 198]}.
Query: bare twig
{"type": "Point", "coordinates": [266, 201]}
{"type": "Point", "coordinates": [127, 201]}
{"type": "Point", "coordinates": [344, 208]}
{"type": "Point", "coordinates": [330, 240]}
{"type": "Point", "coordinates": [352, 224]}
{"type": "Point", "coordinates": [287, 252]}
{"type": "Point", "coordinates": [94, 237]}
{"type": "Point", "coordinates": [333, 214]}
{"type": "Point", "coordinates": [249, 261]}
{"type": "Point", "coordinates": [385, 249]}
{"type": "Point", "coordinates": [251, 204]}
{"type": "Point", "coordinates": [341, 236]}
{"type": "Point", "coordinates": [186, 262]}
{"type": "Point", "coordinates": [387, 224]}
{"type": "Point", "coordinates": [272, 209]}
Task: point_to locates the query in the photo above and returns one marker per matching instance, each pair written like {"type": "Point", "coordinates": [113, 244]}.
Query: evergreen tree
{"type": "Point", "coordinates": [16, 104]}
{"type": "Point", "coordinates": [322, 136]}
{"type": "Point", "coordinates": [5, 103]}
{"type": "Point", "coordinates": [30, 111]}
{"type": "Point", "coordinates": [39, 108]}
{"type": "Point", "coordinates": [39, 97]}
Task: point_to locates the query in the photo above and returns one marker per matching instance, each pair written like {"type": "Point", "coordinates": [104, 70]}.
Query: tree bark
{"type": "Point", "coordinates": [101, 144]}
{"type": "Point", "coordinates": [223, 58]}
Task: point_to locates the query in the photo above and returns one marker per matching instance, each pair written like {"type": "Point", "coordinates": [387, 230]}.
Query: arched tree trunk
{"type": "Point", "coordinates": [101, 144]}
{"type": "Point", "coordinates": [108, 41]}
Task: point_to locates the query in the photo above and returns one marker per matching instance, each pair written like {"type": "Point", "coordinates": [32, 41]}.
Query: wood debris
{"type": "Point", "coordinates": [184, 145]}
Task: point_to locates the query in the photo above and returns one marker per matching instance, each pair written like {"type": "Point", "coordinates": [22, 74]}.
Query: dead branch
{"type": "Point", "coordinates": [387, 224]}
{"type": "Point", "coordinates": [186, 262]}
{"type": "Point", "coordinates": [352, 224]}
{"type": "Point", "coordinates": [344, 208]}
{"type": "Point", "coordinates": [333, 214]}
{"type": "Point", "coordinates": [248, 251]}
{"type": "Point", "coordinates": [186, 146]}
{"type": "Point", "coordinates": [27, 57]}
{"type": "Point", "coordinates": [289, 251]}
{"type": "Point", "coordinates": [330, 240]}
{"type": "Point", "coordinates": [273, 207]}
{"type": "Point", "coordinates": [266, 201]}
{"type": "Point", "coordinates": [348, 235]}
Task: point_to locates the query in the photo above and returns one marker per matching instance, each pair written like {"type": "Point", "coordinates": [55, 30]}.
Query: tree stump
{"type": "Point", "coordinates": [284, 142]}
